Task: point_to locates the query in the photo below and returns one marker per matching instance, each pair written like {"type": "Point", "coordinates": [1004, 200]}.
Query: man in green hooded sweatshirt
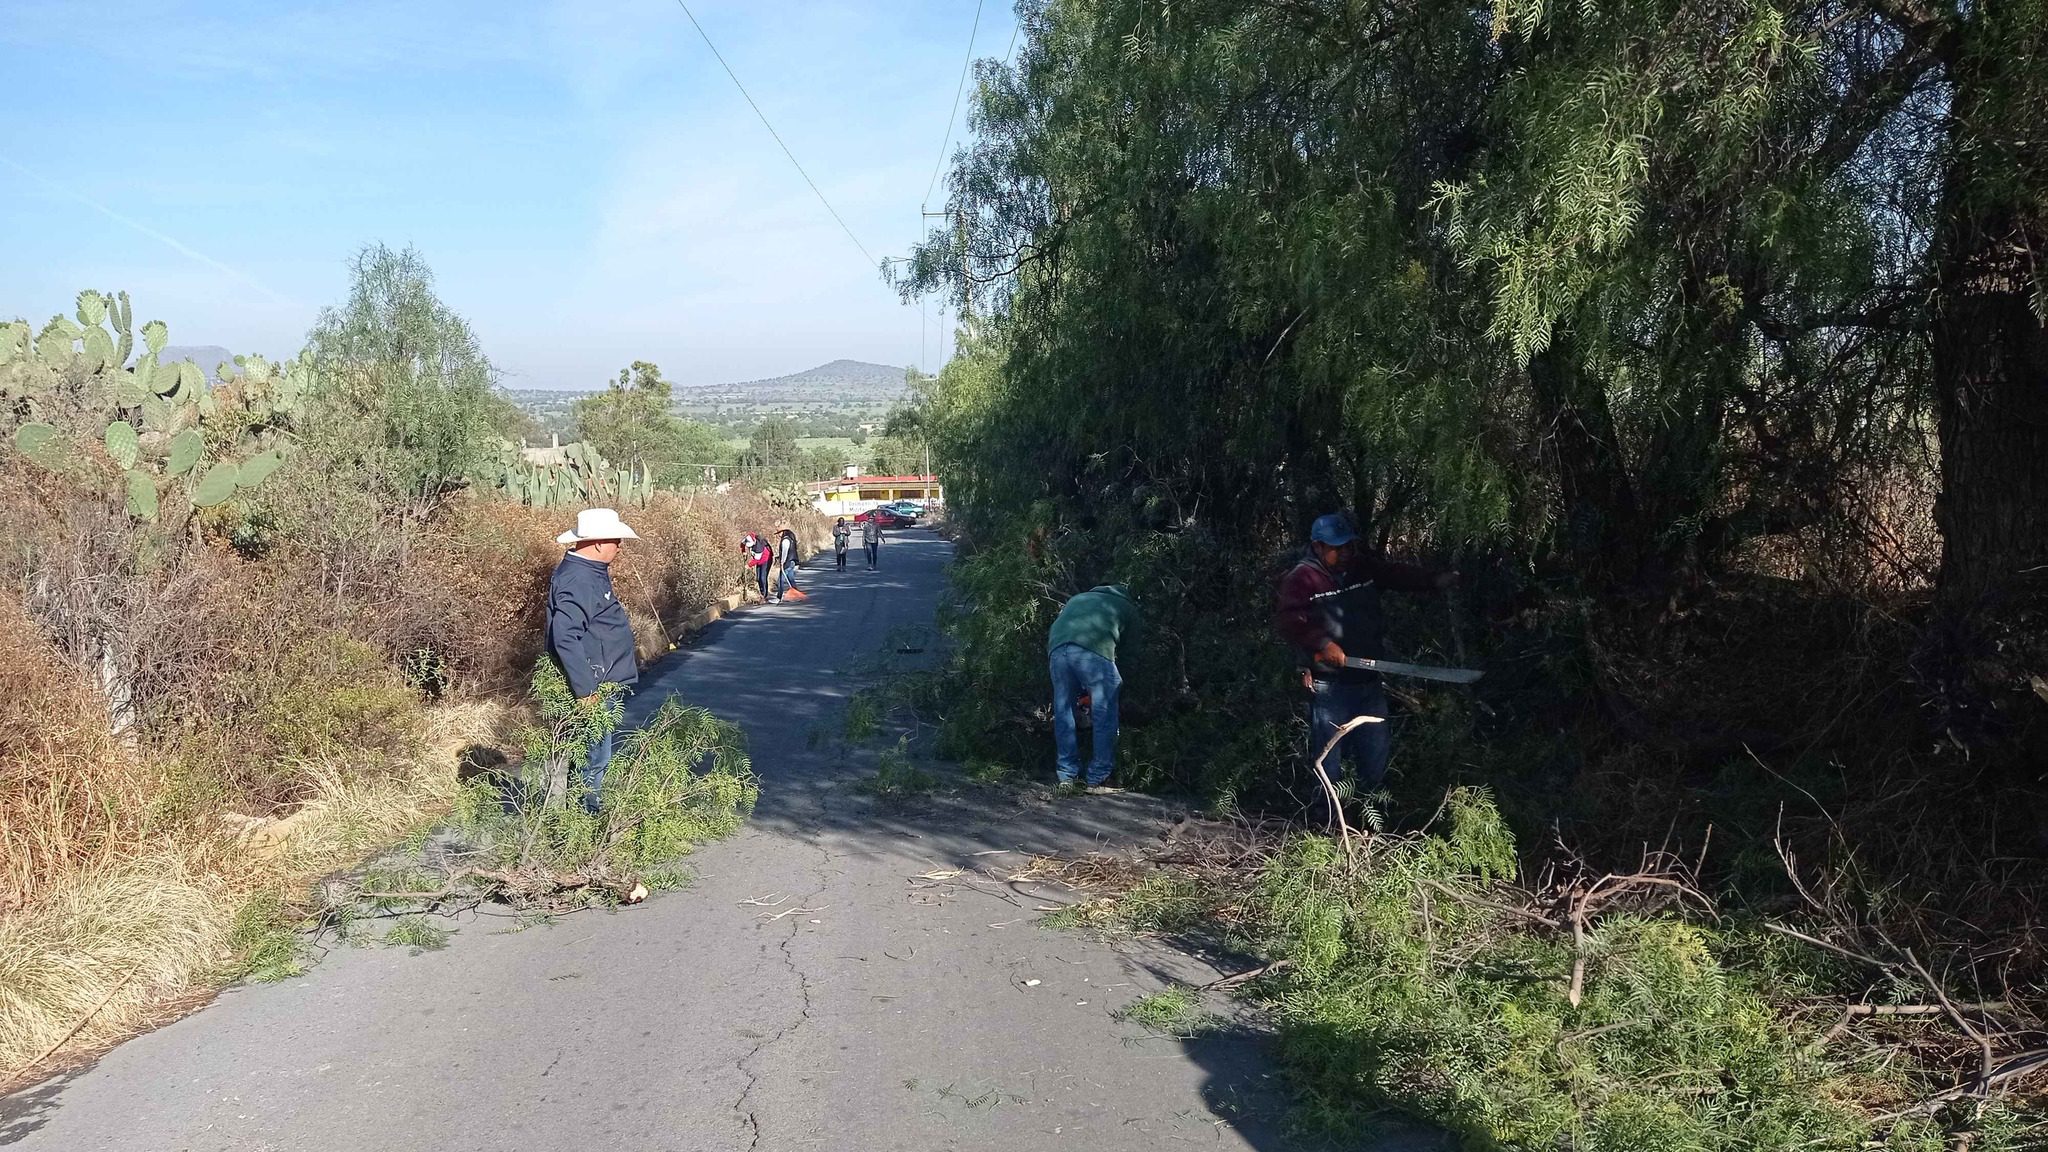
{"type": "Point", "coordinates": [1081, 651]}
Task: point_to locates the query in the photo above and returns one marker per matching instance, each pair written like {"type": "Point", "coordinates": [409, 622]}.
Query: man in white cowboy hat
{"type": "Point", "coordinates": [588, 633]}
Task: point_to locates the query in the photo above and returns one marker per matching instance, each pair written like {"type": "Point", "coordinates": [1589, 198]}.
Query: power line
{"type": "Point", "coordinates": [772, 132]}
{"type": "Point", "coordinates": [955, 114]}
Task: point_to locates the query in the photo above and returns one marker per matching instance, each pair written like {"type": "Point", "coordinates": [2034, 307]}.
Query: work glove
{"type": "Point", "coordinates": [1330, 655]}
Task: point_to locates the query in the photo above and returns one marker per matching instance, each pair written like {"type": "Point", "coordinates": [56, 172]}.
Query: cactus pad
{"type": "Point", "coordinates": [129, 390]}
{"type": "Point", "coordinates": [38, 442]}
{"type": "Point", "coordinates": [142, 502]}
{"type": "Point", "coordinates": [186, 448]}
{"type": "Point", "coordinates": [122, 443]}
{"type": "Point", "coordinates": [99, 348]}
{"type": "Point", "coordinates": [256, 469]}
{"type": "Point", "coordinates": [216, 487]}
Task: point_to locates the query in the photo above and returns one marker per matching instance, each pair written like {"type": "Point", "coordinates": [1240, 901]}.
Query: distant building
{"type": "Point", "coordinates": [853, 493]}
{"type": "Point", "coordinates": [549, 457]}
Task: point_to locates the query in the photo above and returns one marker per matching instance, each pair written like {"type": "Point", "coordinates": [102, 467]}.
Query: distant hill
{"type": "Point", "coordinates": [207, 356]}
{"type": "Point", "coordinates": [839, 382]}
{"type": "Point", "coordinates": [852, 389]}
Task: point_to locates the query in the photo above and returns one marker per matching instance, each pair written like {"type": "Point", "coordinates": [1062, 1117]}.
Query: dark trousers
{"type": "Point", "coordinates": [874, 550]}
{"type": "Point", "coordinates": [761, 578]}
{"type": "Point", "coordinates": [1367, 746]}
{"type": "Point", "coordinates": [840, 556]}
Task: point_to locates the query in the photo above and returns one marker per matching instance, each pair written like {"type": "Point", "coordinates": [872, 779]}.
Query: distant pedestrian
{"type": "Point", "coordinates": [588, 633]}
{"type": "Point", "coordinates": [787, 552]}
{"type": "Point", "coordinates": [756, 550]}
{"type": "Point", "coordinates": [841, 534]}
{"type": "Point", "coordinates": [871, 539]}
{"type": "Point", "coordinates": [1081, 654]}
{"type": "Point", "coordinates": [1330, 612]}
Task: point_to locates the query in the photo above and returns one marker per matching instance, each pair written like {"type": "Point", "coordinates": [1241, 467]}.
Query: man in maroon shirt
{"type": "Point", "coordinates": [1330, 610]}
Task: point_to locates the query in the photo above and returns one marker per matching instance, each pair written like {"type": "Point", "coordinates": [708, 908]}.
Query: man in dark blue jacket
{"type": "Point", "coordinates": [588, 633]}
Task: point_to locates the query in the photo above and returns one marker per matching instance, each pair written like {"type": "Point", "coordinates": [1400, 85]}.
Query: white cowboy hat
{"type": "Point", "coordinates": [598, 524]}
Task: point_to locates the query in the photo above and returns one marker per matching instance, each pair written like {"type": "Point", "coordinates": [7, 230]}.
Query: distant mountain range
{"type": "Point", "coordinates": [839, 382]}
{"type": "Point", "coordinates": [207, 356]}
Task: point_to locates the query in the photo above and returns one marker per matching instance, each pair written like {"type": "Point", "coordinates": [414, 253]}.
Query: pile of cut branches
{"type": "Point", "coordinates": [1587, 1007]}
{"type": "Point", "coordinates": [527, 839]}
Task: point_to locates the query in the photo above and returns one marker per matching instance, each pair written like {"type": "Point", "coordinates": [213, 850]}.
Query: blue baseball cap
{"type": "Point", "coordinates": [1333, 531]}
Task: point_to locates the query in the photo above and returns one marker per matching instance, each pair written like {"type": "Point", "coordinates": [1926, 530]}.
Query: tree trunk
{"type": "Point", "coordinates": [1598, 518]}
{"type": "Point", "coordinates": [1991, 397]}
{"type": "Point", "coordinates": [1988, 639]}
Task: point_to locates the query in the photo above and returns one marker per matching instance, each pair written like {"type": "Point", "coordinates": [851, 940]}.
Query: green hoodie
{"type": "Point", "coordinates": [1096, 620]}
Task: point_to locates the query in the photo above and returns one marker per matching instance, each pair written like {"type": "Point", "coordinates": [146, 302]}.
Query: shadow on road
{"type": "Point", "coordinates": [762, 670]}
{"type": "Point", "coordinates": [22, 1113]}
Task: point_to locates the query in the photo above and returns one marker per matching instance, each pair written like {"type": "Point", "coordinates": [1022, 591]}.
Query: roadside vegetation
{"type": "Point", "coordinates": [252, 618]}
{"type": "Point", "coordinates": [1704, 342]}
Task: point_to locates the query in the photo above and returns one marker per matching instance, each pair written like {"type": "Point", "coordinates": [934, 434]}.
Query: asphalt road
{"type": "Point", "coordinates": [895, 1008]}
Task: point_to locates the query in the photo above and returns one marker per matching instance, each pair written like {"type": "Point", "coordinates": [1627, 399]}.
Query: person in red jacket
{"type": "Point", "coordinates": [1329, 611]}
{"type": "Point", "coordinates": [757, 553]}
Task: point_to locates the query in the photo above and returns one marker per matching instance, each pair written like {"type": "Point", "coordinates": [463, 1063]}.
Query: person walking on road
{"type": "Point", "coordinates": [841, 534]}
{"type": "Point", "coordinates": [786, 549]}
{"type": "Point", "coordinates": [756, 551]}
{"type": "Point", "coordinates": [1081, 653]}
{"type": "Point", "coordinates": [871, 539]}
{"type": "Point", "coordinates": [588, 634]}
{"type": "Point", "coordinates": [1330, 611]}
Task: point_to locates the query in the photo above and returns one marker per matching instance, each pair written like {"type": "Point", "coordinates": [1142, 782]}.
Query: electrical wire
{"type": "Point", "coordinates": [955, 114]}
{"type": "Point", "coordinates": [777, 135]}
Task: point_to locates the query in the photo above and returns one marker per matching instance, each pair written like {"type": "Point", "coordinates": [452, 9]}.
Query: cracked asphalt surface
{"type": "Point", "coordinates": [843, 974]}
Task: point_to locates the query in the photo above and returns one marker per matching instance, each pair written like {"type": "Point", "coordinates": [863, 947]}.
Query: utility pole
{"type": "Point", "coordinates": [960, 224]}
{"type": "Point", "coordinates": [966, 284]}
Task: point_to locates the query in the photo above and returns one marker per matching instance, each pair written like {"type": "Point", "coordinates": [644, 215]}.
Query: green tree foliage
{"type": "Point", "coordinates": [771, 457]}
{"type": "Point", "coordinates": [1613, 295]}
{"type": "Point", "coordinates": [632, 421]}
{"type": "Point", "coordinates": [404, 406]}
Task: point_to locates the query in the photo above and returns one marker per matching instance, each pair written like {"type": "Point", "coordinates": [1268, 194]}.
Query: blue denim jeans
{"type": "Point", "coordinates": [788, 579]}
{"type": "Point", "coordinates": [761, 579]}
{"type": "Point", "coordinates": [1076, 670]}
{"type": "Point", "coordinates": [1368, 746]}
{"type": "Point", "coordinates": [594, 764]}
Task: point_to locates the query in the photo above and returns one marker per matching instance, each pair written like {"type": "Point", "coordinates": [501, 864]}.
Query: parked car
{"type": "Point", "coordinates": [910, 508]}
{"type": "Point", "coordinates": [884, 516]}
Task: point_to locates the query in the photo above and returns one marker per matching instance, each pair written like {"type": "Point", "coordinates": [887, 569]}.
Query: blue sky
{"type": "Point", "coordinates": [587, 184]}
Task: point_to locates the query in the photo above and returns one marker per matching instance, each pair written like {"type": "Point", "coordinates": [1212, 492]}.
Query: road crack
{"type": "Point", "coordinates": [744, 1106]}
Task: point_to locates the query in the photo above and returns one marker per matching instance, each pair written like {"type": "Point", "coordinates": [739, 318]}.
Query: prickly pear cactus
{"type": "Point", "coordinates": [582, 477]}
{"type": "Point", "coordinates": [77, 381]}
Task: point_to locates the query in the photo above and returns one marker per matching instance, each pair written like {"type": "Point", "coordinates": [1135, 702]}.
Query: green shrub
{"type": "Point", "coordinates": [1408, 988]}
{"type": "Point", "coordinates": [337, 696]}
{"type": "Point", "coordinates": [264, 942]}
{"type": "Point", "coordinates": [897, 778]}
{"type": "Point", "coordinates": [680, 779]}
{"type": "Point", "coordinates": [1173, 1012]}
{"type": "Point", "coordinates": [863, 717]}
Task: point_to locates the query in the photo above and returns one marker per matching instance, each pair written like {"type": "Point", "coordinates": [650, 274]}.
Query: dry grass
{"type": "Point", "coordinates": [100, 951]}
{"type": "Point", "coordinates": [71, 798]}
{"type": "Point", "coordinates": [105, 946]}
{"type": "Point", "coordinates": [295, 713]}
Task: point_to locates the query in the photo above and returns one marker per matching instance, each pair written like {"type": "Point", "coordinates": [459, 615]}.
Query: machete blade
{"type": "Point", "coordinates": [1420, 671]}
